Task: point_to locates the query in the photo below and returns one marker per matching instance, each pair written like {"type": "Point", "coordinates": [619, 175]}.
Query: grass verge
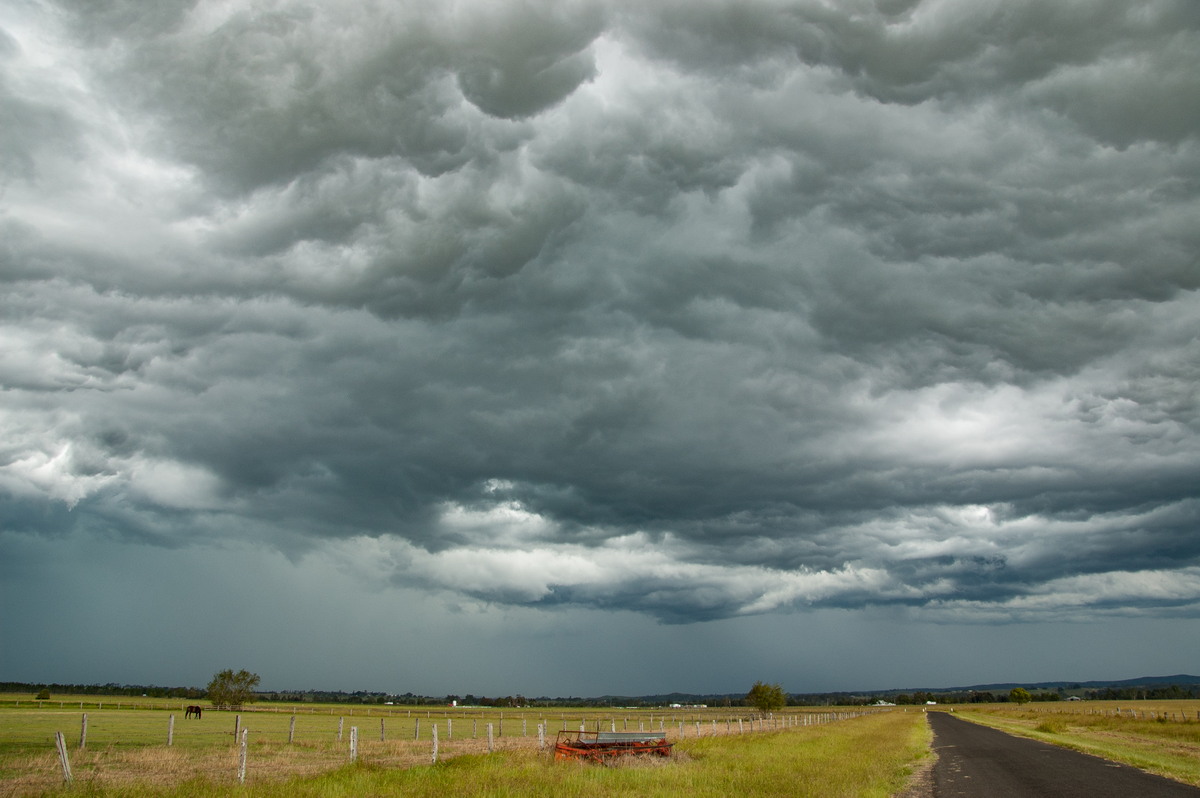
{"type": "Point", "coordinates": [1168, 749]}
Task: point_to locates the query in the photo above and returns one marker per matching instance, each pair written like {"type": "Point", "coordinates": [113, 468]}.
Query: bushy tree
{"type": "Point", "coordinates": [766, 697]}
{"type": "Point", "coordinates": [1019, 695]}
{"type": "Point", "coordinates": [229, 690]}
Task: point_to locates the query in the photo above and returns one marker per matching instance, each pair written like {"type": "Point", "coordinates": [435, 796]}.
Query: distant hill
{"type": "Point", "coordinates": [1182, 680]}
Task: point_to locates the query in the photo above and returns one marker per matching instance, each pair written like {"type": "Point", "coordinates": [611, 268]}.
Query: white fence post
{"type": "Point", "coordinates": [83, 733]}
{"type": "Point", "coordinates": [435, 744]}
{"type": "Point", "coordinates": [353, 743]}
{"type": "Point", "coordinates": [171, 730]}
{"type": "Point", "coordinates": [340, 722]}
{"type": "Point", "coordinates": [491, 742]}
{"type": "Point", "coordinates": [242, 759]}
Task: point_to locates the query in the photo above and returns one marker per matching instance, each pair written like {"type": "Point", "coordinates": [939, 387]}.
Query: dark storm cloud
{"type": "Point", "coordinates": [700, 310]}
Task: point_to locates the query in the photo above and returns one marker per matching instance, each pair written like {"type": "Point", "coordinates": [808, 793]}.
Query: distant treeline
{"type": "Point", "coordinates": [1146, 693]}
{"type": "Point", "coordinates": [1157, 692]}
{"type": "Point", "coordinates": [154, 691]}
{"type": "Point", "coordinates": [468, 700]}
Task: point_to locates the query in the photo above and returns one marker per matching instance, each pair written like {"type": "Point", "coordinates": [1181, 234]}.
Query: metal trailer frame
{"type": "Point", "coordinates": [598, 746]}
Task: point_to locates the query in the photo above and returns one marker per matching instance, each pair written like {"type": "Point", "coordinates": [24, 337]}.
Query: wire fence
{"type": "Point", "coordinates": [112, 748]}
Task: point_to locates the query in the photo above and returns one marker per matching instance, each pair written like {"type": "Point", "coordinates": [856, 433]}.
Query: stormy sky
{"type": "Point", "coordinates": [574, 347]}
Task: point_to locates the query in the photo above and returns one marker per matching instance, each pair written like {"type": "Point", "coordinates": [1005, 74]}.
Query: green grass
{"type": "Point", "coordinates": [868, 756]}
{"type": "Point", "coordinates": [141, 721]}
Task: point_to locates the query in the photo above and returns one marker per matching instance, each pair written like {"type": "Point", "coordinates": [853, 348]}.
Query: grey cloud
{"type": "Point", "coordinates": [266, 95]}
{"type": "Point", "coordinates": [804, 316]}
{"type": "Point", "coordinates": [29, 129]}
{"type": "Point", "coordinates": [522, 59]}
{"type": "Point", "coordinates": [113, 22]}
{"type": "Point", "coordinates": [915, 52]}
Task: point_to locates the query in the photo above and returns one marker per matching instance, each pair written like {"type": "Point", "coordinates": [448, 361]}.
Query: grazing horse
{"type": "Point", "coordinates": [193, 710]}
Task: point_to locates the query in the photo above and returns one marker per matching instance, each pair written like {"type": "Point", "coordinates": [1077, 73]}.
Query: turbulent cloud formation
{"type": "Point", "coordinates": [695, 309]}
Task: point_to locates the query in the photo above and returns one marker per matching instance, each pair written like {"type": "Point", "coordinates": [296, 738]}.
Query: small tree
{"type": "Point", "coordinates": [229, 690]}
{"type": "Point", "coordinates": [43, 694]}
{"type": "Point", "coordinates": [766, 697]}
{"type": "Point", "coordinates": [1019, 695]}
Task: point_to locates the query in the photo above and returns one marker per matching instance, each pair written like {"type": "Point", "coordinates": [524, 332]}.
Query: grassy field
{"type": "Point", "coordinates": [1159, 736]}
{"type": "Point", "coordinates": [126, 753]}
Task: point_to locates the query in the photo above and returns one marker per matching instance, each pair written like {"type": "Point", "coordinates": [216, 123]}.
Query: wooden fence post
{"type": "Point", "coordinates": [171, 730]}
{"type": "Point", "coordinates": [435, 744]}
{"type": "Point", "coordinates": [491, 742]}
{"type": "Point", "coordinates": [382, 733]}
{"type": "Point", "coordinates": [242, 759]}
{"type": "Point", "coordinates": [340, 722]}
{"type": "Point", "coordinates": [292, 730]}
{"type": "Point", "coordinates": [353, 743]}
{"type": "Point", "coordinates": [541, 736]}
{"type": "Point", "coordinates": [237, 724]}
{"type": "Point", "coordinates": [61, 743]}
{"type": "Point", "coordinates": [83, 732]}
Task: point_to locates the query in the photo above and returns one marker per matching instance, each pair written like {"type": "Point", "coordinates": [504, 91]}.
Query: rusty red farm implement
{"type": "Point", "coordinates": [601, 746]}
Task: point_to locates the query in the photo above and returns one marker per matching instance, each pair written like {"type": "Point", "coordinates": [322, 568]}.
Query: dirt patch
{"type": "Point", "coordinates": [920, 783]}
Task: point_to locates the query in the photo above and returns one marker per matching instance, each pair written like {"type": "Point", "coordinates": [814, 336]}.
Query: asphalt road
{"type": "Point", "coordinates": [977, 762]}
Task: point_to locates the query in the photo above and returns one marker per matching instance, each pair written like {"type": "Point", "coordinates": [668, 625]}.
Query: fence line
{"type": "Point", "coordinates": [407, 753]}
{"type": "Point", "coordinates": [657, 718]}
{"type": "Point", "coordinates": [321, 738]}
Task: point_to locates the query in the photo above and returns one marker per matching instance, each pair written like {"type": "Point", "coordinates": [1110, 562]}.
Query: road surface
{"type": "Point", "coordinates": [977, 762]}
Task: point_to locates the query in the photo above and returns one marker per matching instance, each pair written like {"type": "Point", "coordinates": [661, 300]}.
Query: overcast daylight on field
{"type": "Point", "coordinates": [586, 348]}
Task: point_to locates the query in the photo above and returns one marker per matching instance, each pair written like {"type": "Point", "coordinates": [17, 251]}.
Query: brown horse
{"type": "Point", "coordinates": [193, 710]}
